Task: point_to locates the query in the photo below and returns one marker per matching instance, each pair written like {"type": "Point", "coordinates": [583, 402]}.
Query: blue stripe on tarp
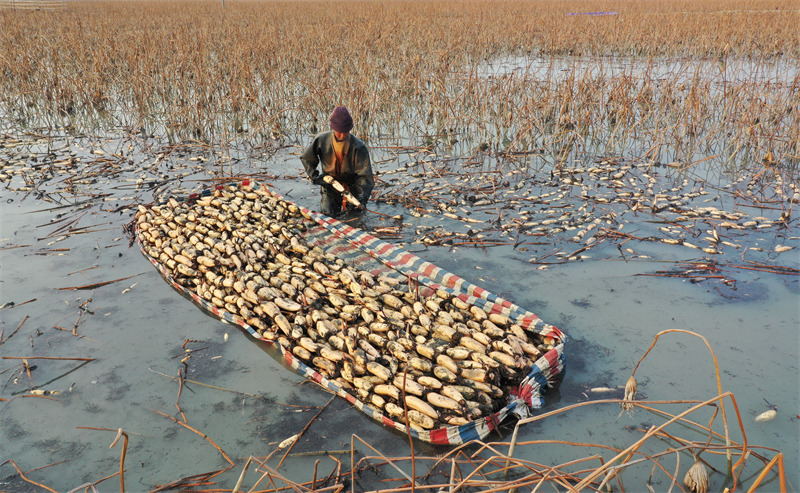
{"type": "Point", "coordinates": [468, 433]}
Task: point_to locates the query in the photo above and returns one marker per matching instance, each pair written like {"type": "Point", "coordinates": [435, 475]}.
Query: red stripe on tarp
{"type": "Point", "coordinates": [387, 421]}
{"type": "Point", "coordinates": [383, 248]}
{"type": "Point", "coordinates": [525, 394]}
{"type": "Point", "coordinates": [406, 258]}
{"type": "Point", "coordinates": [246, 183]}
{"type": "Point", "coordinates": [491, 422]}
{"type": "Point", "coordinates": [219, 187]}
{"type": "Point", "coordinates": [427, 292]}
{"type": "Point", "coordinates": [496, 308]}
{"type": "Point", "coordinates": [439, 436]}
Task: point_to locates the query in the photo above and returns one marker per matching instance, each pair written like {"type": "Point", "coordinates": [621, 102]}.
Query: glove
{"type": "Point", "coordinates": [351, 207]}
{"type": "Point", "coordinates": [319, 180]}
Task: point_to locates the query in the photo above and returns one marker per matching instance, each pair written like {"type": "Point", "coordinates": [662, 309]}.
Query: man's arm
{"type": "Point", "coordinates": [365, 181]}
{"type": "Point", "coordinates": [310, 160]}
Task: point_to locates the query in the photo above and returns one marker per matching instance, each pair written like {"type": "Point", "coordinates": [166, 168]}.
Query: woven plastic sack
{"type": "Point", "coordinates": [366, 252]}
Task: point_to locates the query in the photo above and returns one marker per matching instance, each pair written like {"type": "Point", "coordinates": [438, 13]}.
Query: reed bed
{"type": "Point", "coordinates": [419, 73]}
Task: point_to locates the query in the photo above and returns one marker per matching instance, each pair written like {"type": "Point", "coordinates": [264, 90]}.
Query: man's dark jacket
{"type": "Point", "coordinates": [356, 171]}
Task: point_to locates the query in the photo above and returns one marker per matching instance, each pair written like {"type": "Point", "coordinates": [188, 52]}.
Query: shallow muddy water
{"type": "Point", "coordinates": [685, 70]}
{"type": "Point", "coordinates": [135, 330]}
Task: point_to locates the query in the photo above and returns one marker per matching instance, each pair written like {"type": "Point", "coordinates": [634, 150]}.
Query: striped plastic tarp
{"type": "Point", "coordinates": [377, 256]}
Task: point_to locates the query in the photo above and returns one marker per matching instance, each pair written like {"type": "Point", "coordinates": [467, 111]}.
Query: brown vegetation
{"type": "Point", "coordinates": [261, 70]}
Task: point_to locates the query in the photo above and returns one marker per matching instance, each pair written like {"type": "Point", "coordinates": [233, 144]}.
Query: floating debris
{"type": "Point", "coordinates": [766, 416]}
{"type": "Point", "coordinates": [288, 441]}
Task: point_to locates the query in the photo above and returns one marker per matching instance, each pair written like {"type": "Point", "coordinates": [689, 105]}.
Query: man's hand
{"type": "Point", "coordinates": [353, 207]}
{"type": "Point", "coordinates": [332, 182]}
{"type": "Point", "coordinates": [320, 180]}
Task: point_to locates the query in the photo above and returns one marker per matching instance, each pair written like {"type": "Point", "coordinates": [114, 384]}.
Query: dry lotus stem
{"type": "Point", "coordinates": [696, 478]}
{"type": "Point", "coordinates": [245, 251]}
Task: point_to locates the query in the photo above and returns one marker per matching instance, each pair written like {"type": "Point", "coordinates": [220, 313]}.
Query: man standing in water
{"type": "Point", "coordinates": [343, 157]}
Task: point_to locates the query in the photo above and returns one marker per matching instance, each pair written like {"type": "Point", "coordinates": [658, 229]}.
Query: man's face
{"type": "Point", "coordinates": [341, 136]}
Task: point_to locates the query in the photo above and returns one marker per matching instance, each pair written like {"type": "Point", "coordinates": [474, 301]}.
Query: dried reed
{"type": "Point", "coordinates": [409, 71]}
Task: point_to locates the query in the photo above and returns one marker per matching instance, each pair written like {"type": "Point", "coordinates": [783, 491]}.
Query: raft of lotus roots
{"type": "Point", "coordinates": [242, 249]}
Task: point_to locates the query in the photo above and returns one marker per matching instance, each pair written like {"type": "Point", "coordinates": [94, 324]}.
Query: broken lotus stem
{"type": "Point", "coordinates": [124, 436]}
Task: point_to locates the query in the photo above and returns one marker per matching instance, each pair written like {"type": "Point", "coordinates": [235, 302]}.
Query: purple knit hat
{"type": "Point", "coordinates": [341, 121]}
